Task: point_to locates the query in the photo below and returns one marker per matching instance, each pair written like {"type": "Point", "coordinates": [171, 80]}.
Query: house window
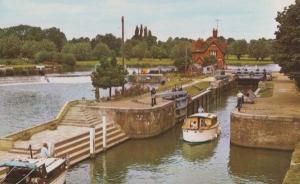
{"type": "Point", "coordinates": [213, 53]}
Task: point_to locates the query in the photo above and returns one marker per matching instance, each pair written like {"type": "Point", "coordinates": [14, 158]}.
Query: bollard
{"type": "Point", "coordinates": [92, 142]}
{"type": "Point", "coordinates": [104, 132]}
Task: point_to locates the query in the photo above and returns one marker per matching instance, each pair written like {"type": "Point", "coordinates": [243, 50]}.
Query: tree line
{"type": "Point", "coordinates": [259, 49]}
{"type": "Point", "coordinates": [51, 45]}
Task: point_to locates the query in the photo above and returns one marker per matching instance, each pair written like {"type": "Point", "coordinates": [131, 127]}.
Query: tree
{"type": "Point", "coordinates": [259, 49]}
{"type": "Point", "coordinates": [141, 31]}
{"type": "Point", "coordinates": [127, 49]}
{"type": "Point", "coordinates": [101, 51]}
{"type": "Point", "coordinates": [158, 52]}
{"type": "Point", "coordinates": [81, 50]}
{"type": "Point", "coordinates": [56, 36]}
{"type": "Point", "coordinates": [108, 74]}
{"type": "Point", "coordinates": [10, 47]}
{"type": "Point", "coordinates": [239, 48]}
{"type": "Point", "coordinates": [181, 54]}
{"type": "Point", "coordinates": [287, 43]}
{"type": "Point", "coordinates": [139, 50]}
{"type": "Point", "coordinates": [30, 48]}
{"type": "Point", "coordinates": [110, 40]}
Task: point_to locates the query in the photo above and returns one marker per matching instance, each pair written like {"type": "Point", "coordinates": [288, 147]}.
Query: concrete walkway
{"type": "Point", "coordinates": [284, 102]}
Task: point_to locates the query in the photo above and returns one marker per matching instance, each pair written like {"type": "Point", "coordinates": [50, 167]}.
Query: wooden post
{"type": "Point", "coordinates": [104, 132]}
{"type": "Point", "coordinates": [92, 142]}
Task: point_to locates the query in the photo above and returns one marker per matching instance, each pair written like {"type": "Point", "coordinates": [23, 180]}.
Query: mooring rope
{"type": "Point", "coordinates": [26, 176]}
{"type": "Point", "coordinates": [7, 175]}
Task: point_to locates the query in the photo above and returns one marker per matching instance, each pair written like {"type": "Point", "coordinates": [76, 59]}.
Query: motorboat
{"type": "Point", "coordinates": [35, 171]}
{"type": "Point", "coordinates": [201, 127]}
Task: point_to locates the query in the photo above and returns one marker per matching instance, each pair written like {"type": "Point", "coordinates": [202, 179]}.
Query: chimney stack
{"type": "Point", "coordinates": [215, 33]}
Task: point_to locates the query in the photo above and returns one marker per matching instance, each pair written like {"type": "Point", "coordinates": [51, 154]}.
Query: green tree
{"type": "Point", "coordinates": [158, 52]}
{"type": "Point", "coordinates": [181, 54]}
{"type": "Point", "coordinates": [30, 48]}
{"type": "Point", "coordinates": [260, 48]}
{"type": "Point", "coordinates": [81, 50]}
{"type": "Point", "coordinates": [139, 50]}
{"type": "Point", "coordinates": [47, 45]}
{"type": "Point", "coordinates": [10, 47]}
{"type": "Point", "coordinates": [127, 49]}
{"type": "Point", "coordinates": [107, 74]}
{"type": "Point", "coordinates": [287, 43]}
{"type": "Point", "coordinates": [239, 48]}
{"type": "Point", "coordinates": [101, 50]}
{"type": "Point", "coordinates": [56, 36]}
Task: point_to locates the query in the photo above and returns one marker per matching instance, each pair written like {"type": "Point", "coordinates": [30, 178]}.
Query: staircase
{"type": "Point", "coordinates": [77, 148]}
{"type": "Point", "coordinates": [23, 151]}
{"type": "Point", "coordinates": [79, 116]}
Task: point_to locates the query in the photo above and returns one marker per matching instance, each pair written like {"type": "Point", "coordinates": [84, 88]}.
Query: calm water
{"type": "Point", "coordinates": [163, 159]}
{"type": "Point", "coordinates": [167, 159]}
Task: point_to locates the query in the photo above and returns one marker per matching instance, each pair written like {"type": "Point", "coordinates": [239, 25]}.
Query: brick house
{"type": "Point", "coordinates": [211, 47]}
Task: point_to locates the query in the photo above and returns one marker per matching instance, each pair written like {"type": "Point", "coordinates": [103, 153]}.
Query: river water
{"type": "Point", "coordinates": [163, 159]}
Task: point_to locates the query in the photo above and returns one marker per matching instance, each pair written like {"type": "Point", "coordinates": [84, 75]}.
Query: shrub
{"type": "Point", "coordinates": [43, 56]}
{"type": "Point", "coordinates": [68, 59]}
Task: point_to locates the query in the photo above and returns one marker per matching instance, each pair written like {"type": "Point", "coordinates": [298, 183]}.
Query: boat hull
{"type": "Point", "coordinates": [199, 136]}
{"type": "Point", "coordinates": [61, 179]}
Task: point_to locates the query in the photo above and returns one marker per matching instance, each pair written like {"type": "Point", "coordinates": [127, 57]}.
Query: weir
{"type": "Point", "coordinates": [85, 128]}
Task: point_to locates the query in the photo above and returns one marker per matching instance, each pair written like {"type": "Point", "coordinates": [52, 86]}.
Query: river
{"type": "Point", "coordinates": [163, 159]}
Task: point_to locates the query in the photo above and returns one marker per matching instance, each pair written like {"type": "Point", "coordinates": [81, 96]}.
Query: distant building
{"type": "Point", "coordinates": [213, 46]}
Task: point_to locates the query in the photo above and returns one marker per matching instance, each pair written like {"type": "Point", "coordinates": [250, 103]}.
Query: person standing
{"type": "Point", "coordinates": [45, 151]}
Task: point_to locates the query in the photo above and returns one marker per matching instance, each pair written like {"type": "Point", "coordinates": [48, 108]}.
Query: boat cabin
{"type": "Point", "coordinates": [30, 171]}
{"type": "Point", "coordinates": [200, 121]}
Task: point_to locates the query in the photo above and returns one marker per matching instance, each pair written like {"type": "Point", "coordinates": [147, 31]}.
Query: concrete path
{"type": "Point", "coordinates": [284, 102]}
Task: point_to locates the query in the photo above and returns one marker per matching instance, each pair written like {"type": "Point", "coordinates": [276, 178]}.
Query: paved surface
{"type": "Point", "coordinates": [51, 136]}
{"type": "Point", "coordinates": [143, 101]}
{"type": "Point", "coordinates": [284, 102]}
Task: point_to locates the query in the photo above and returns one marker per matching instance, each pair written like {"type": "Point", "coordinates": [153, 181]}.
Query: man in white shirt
{"type": "Point", "coordinates": [45, 151]}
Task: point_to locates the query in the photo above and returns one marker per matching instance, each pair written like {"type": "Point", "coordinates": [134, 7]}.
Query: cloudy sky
{"type": "Point", "coordinates": [248, 19]}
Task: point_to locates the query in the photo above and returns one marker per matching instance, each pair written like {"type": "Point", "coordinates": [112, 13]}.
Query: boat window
{"type": "Point", "coordinates": [203, 123]}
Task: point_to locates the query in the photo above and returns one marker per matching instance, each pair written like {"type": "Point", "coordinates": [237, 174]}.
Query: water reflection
{"type": "Point", "coordinates": [198, 152]}
{"type": "Point", "coordinates": [258, 164]}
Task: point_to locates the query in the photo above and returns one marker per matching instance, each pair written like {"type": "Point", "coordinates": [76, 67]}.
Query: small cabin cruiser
{"type": "Point", "coordinates": [35, 171]}
{"type": "Point", "coordinates": [200, 127]}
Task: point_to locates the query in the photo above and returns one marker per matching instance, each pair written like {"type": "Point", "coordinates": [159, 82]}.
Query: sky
{"type": "Point", "coordinates": [249, 19]}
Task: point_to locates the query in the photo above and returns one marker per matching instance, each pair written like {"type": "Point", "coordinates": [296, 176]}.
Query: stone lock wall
{"type": "Point", "coordinates": [261, 131]}
{"type": "Point", "coordinates": [141, 123]}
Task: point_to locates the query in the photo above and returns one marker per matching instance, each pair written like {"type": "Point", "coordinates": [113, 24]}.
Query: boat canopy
{"type": "Point", "coordinates": [203, 115]}
{"type": "Point", "coordinates": [50, 163]}
{"type": "Point", "coordinates": [18, 163]}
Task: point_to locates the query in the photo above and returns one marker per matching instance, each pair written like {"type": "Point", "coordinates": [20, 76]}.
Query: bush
{"type": "Point", "coordinates": [68, 59]}
{"type": "Point", "coordinates": [43, 56]}
{"type": "Point", "coordinates": [9, 72]}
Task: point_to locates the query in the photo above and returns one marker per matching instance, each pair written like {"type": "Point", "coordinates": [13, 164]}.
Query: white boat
{"type": "Point", "coordinates": [35, 171]}
{"type": "Point", "coordinates": [201, 127]}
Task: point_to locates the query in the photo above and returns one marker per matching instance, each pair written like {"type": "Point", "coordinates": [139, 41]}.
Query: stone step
{"type": "Point", "coordinates": [69, 152]}
{"type": "Point", "coordinates": [72, 139]}
{"type": "Point", "coordinates": [79, 158]}
{"type": "Point", "coordinates": [71, 144]}
{"type": "Point", "coordinates": [23, 152]}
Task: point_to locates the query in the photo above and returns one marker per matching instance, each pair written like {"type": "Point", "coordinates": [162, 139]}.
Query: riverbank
{"type": "Point", "coordinates": [271, 122]}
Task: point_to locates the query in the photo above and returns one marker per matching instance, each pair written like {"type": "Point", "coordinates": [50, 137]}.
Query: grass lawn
{"type": "Point", "coordinates": [172, 80]}
{"type": "Point", "coordinates": [245, 60]}
{"type": "Point", "coordinates": [267, 91]}
{"type": "Point", "coordinates": [134, 62]}
{"type": "Point", "coordinates": [195, 89]}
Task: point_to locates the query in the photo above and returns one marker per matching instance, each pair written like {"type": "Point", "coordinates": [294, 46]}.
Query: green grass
{"type": "Point", "coordinates": [134, 62]}
{"type": "Point", "coordinates": [195, 89]}
{"type": "Point", "coordinates": [267, 90]}
{"type": "Point", "coordinates": [245, 60]}
{"type": "Point", "coordinates": [172, 80]}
